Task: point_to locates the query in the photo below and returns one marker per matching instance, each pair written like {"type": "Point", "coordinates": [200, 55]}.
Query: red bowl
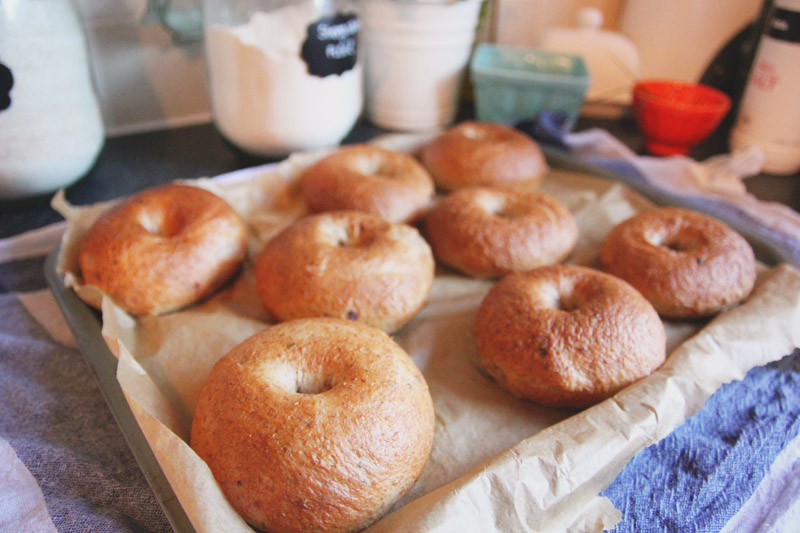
{"type": "Point", "coordinates": [674, 116]}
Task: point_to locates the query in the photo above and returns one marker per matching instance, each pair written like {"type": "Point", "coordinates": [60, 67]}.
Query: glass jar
{"type": "Point", "coordinates": [284, 75]}
{"type": "Point", "coordinates": [51, 128]}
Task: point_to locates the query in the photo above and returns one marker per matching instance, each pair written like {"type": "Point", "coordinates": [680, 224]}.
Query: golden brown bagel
{"type": "Point", "coordinates": [475, 153]}
{"type": "Point", "coordinates": [314, 425]}
{"type": "Point", "coordinates": [686, 263]}
{"type": "Point", "coordinates": [567, 336]}
{"type": "Point", "coordinates": [488, 232]}
{"type": "Point", "coordinates": [349, 265]}
{"type": "Point", "coordinates": [368, 178]}
{"type": "Point", "coordinates": [163, 249]}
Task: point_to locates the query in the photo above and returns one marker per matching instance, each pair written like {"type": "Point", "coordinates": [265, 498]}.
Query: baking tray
{"type": "Point", "coordinates": [86, 326]}
{"type": "Point", "coordinates": [87, 329]}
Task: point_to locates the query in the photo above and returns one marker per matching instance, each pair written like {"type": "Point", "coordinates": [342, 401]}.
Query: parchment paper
{"type": "Point", "coordinates": [498, 463]}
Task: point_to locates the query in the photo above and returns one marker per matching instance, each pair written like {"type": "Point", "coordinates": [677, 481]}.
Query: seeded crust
{"type": "Point", "coordinates": [368, 178]}
{"type": "Point", "coordinates": [686, 264]}
{"type": "Point", "coordinates": [488, 232]}
{"type": "Point", "coordinates": [314, 425]}
{"type": "Point", "coordinates": [567, 336]}
{"type": "Point", "coordinates": [348, 265]}
{"type": "Point", "coordinates": [163, 249]}
{"type": "Point", "coordinates": [472, 154]}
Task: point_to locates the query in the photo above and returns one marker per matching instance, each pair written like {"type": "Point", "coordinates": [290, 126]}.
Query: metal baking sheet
{"type": "Point", "coordinates": [86, 325]}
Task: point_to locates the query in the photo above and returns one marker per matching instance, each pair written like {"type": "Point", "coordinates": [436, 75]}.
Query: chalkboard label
{"type": "Point", "coordinates": [6, 82]}
{"type": "Point", "coordinates": [785, 26]}
{"type": "Point", "coordinates": [331, 45]}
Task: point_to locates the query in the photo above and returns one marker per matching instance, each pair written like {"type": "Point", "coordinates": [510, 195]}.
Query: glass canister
{"type": "Point", "coordinates": [51, 127]}
{"type": "Point", "coordinates": [284, 75]}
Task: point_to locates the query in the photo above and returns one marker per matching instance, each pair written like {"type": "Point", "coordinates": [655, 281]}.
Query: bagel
{"type": "Point", "coordinates": [488, 232]}
{"type": "Point", "coordinates": [368, 178]}
{"type": "Point", "coordinates": [163, 249]}
{"type": "Point", "coordinates": [473, 153]}
{"type": "Point", "coordinates": [346, 264]}
{"type": "Point", "coordinates": [314, 425]}
{"type": "Point", "coordinates": [567, 335]}
{"type": "Point", "coordinates": [687, 264]}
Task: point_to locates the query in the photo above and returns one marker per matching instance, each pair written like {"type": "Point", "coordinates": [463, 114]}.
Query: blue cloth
{"type": "Point", "coordinates": [701, 474]}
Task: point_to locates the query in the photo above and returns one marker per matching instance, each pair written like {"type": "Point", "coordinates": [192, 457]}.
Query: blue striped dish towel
{"type": "Point", "coordinates": [735, 465]}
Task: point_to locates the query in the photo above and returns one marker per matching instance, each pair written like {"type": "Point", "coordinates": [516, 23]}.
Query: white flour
{"type": "Point", "coordinates": [263, 98]}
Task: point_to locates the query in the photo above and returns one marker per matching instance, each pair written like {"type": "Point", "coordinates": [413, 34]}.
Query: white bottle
{"type": "Point", "coordinates": [769, 116]}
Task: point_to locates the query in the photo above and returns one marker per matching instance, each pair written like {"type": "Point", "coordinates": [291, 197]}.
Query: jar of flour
{"type": "Point", "coordinates": [284, 75]}
{"type": "Point", "coordinates": [51, 128]}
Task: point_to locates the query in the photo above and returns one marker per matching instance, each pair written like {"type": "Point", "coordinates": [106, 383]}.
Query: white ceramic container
{"type": "Point", "coordinates": [416, 56]}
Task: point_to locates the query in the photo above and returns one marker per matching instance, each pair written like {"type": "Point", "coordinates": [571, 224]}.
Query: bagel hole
{"type": "Point", "coordinates": [494, 204]}
{"type": "Point", "coordinates": [562, 298]}
{"type": "Point", "coordinates": [154, 225]}
{"type": "Point", "coordinates": [511, 210]}
{"type": "Point", "coordinates": [567, 302]}
{"type": "Point", "coordinates": [499, 206]}
{"type": "Point", "coordinates": [473, 132]}
{"type": "Point", "coordinates": [377, 165]}
{"type": "Point", "coordinates": [679, 242]}
{"type": "Point", "coordinates": [351, 235]}
{"type": "Point", "coordinates": [338, 234]}
{"type": "Point", "coordinates": [160, 224]}
{"type": "Point", "coordinates": [308, 383]}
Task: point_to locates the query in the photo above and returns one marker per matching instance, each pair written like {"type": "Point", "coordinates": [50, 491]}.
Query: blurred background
{"type": "Point", "coordinates": [148, 79]}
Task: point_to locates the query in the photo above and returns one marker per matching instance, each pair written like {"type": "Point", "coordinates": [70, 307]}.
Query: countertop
{"type": "Point", "coordinates": [133, 162]}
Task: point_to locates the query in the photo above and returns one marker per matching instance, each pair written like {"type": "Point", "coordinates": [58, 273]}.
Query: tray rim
{"type": "Point", "coordinates": [87, 329]}
{"type": "Point", "coordinates": [767, 250]}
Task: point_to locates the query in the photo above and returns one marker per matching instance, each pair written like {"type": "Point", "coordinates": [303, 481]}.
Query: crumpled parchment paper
{"type": "Point", "coordinates": [498, 463]}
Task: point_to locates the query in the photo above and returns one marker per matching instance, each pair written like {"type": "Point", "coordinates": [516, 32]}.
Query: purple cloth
{"type": "Point", "coordinates": [775, 245]}
{"type": "Point", "coordinates": [771, 246]}
{"type": "Point", "coordinates": [54, 417]}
